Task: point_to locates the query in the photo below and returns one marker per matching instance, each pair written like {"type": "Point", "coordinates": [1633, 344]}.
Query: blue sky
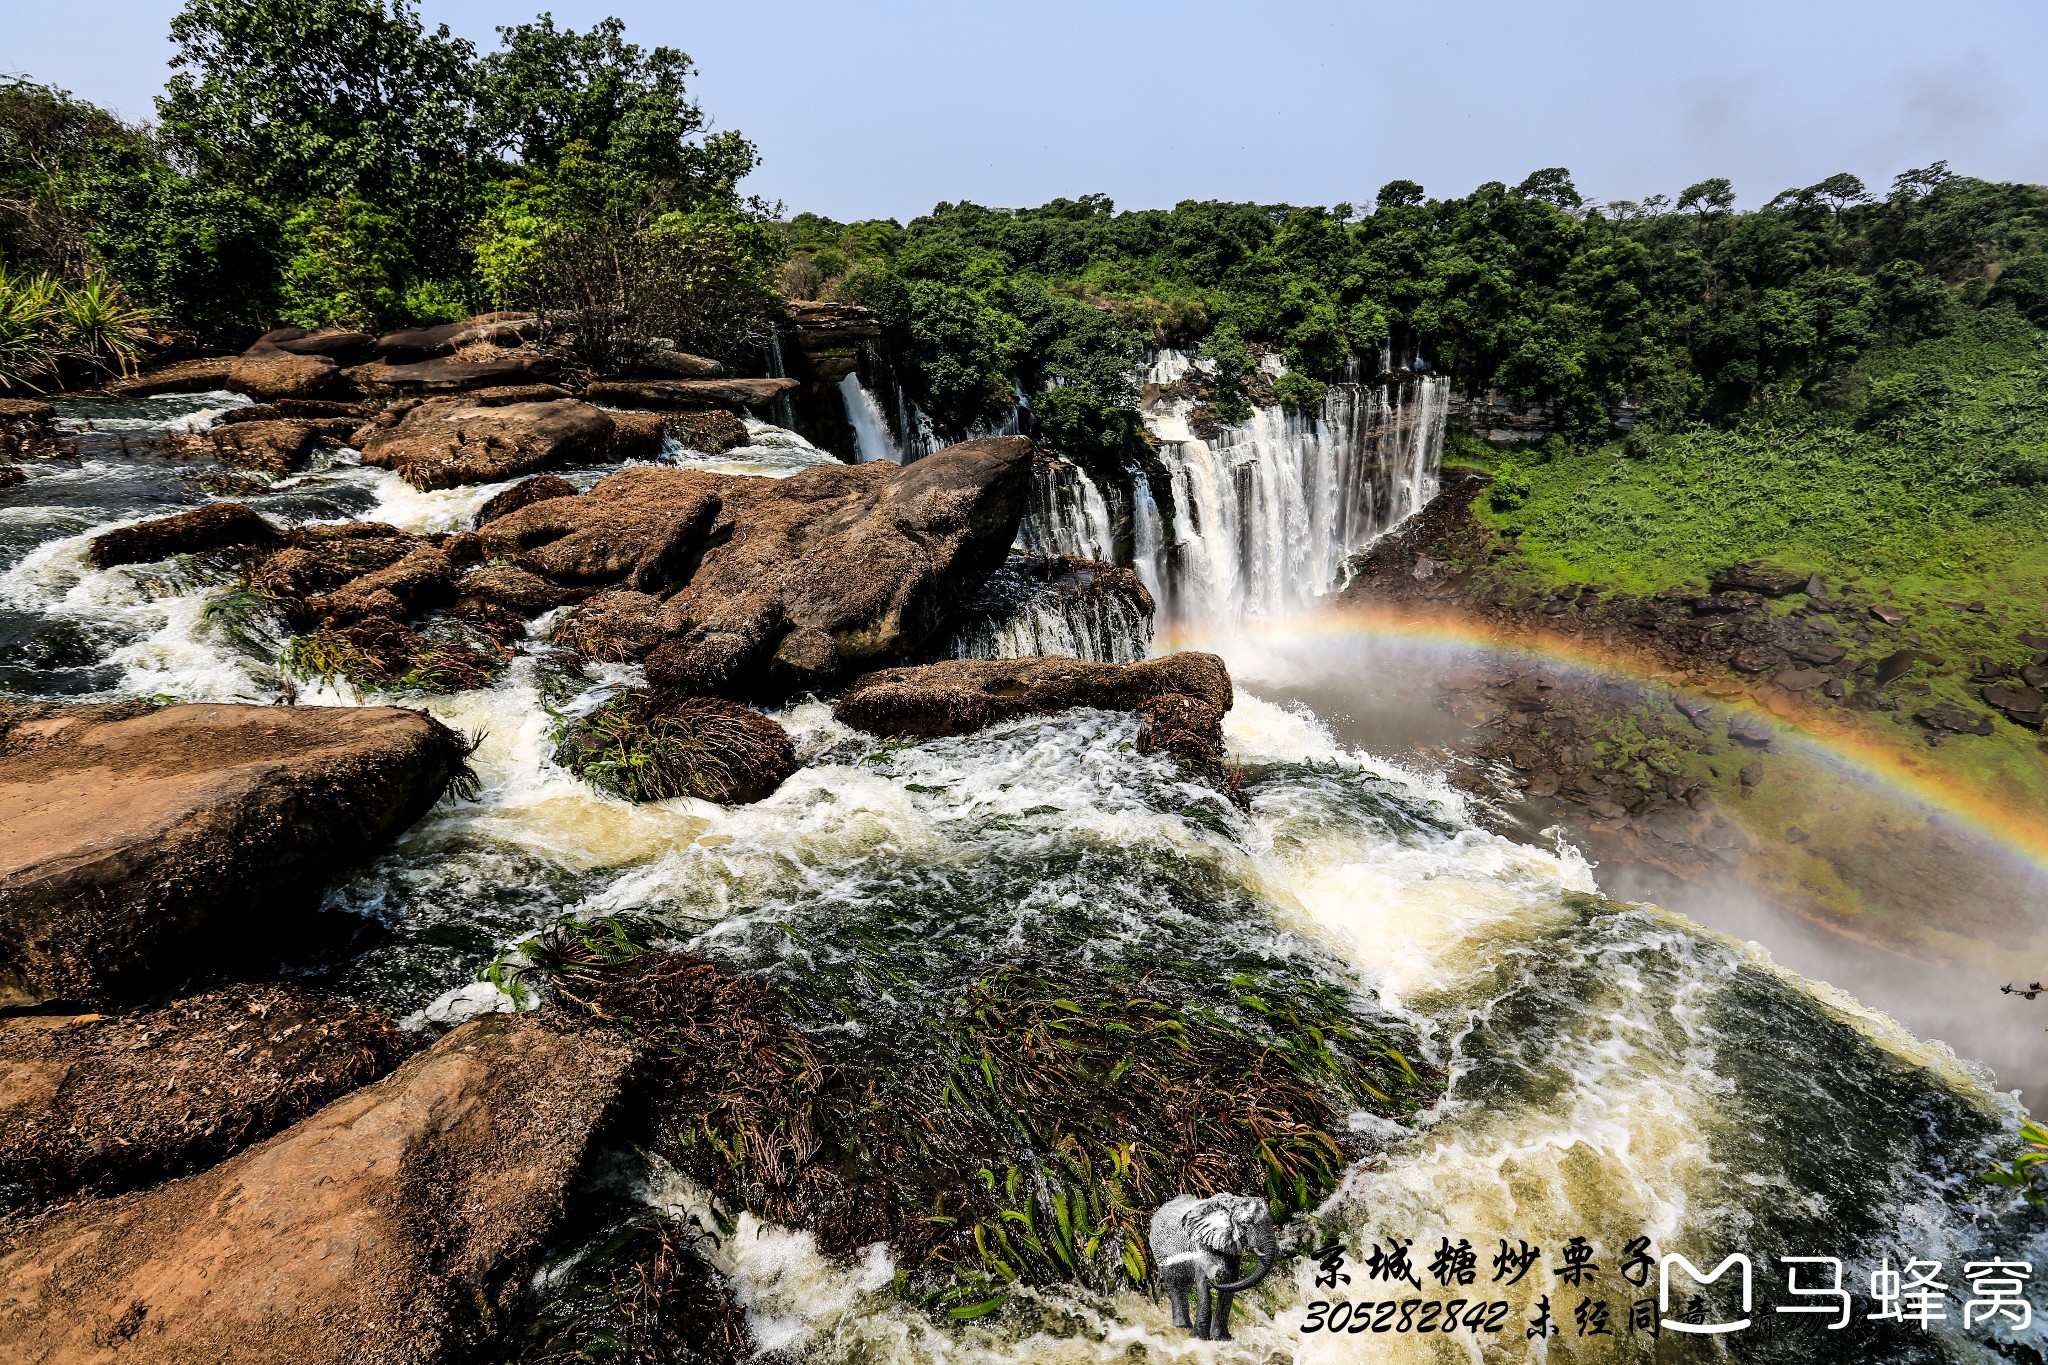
{"type": "Point", "coordinates": [883, 109]}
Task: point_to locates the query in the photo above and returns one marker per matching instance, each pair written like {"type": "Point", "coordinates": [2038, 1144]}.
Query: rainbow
{"type": "Point", "coordinates": [1873, 758]}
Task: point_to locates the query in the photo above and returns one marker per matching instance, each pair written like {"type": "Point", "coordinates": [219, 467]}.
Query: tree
{"type": "Point", "coordinates": [1839, 191]}
{"type": "Point", "coordinates": [291, 100]}
{"type": "Point", "coordinates": [1553, 185]}
{"type": "Point", "coordinates": [615, 120]}
{"type": "Point", "coordinates": [1397, 194]}
{"type": "Point", "coordinates": [1707, 197]}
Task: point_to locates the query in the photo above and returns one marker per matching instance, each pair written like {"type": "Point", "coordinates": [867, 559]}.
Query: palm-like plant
{"type": "Point", "coordinates": [28, 311]}
{"type": "Point", "coordinates": [45, 321]}
{"type": "Point", "coordinates": [100, 325]}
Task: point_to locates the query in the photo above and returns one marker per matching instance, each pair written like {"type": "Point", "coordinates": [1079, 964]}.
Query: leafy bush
{"type": "Point", "coordinates": [1510, 487]}
{"type": "Point", "coordinates": [46, 324]}
{"type": "Point", "coordinates": [1298, 391]}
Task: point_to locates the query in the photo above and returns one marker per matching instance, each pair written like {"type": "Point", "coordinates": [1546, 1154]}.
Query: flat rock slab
{"type": "Point", "coordinates": [504, 329]}
{"type": "Point", "coordinates": [690, 393]}
{"type": "Point", "coordinates": [443, 442]}
{"type": "Point", "coordinates": [136, 841]}
{"type": "Point", "coordinates": [1181, 696]}
{"type": "Point", "coordinates": [103, 1103]}
{"type": "Point", "coordinates": [187, 376]}
{"type": "Point", "coordinates": [270, 373]}
{"type": "Point", "coordinates": [449, 375]}
{"type": "Point", "coordinates": [392, 1226]}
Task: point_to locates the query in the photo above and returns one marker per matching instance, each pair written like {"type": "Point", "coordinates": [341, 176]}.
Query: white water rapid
{"type": "Point", "coordinates": [1613, 1071]}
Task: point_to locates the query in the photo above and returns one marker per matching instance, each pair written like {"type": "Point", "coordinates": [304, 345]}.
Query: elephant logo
{"type": "Point", "coordinates": [1196, 1246]}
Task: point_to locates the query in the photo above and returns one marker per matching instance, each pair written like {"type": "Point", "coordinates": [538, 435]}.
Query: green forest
{"type": "Point", "coordinates": [339, 163]}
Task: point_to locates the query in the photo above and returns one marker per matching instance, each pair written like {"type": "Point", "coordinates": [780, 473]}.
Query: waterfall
{"type": "Point", "coordinates": [1055, 605]}
{"type": "Point", "coordinates": [1069, 515]}
{"type": "Point", "coordinates": [870, 428]}
{"type": "Point", "coordinates": [1268, 513]}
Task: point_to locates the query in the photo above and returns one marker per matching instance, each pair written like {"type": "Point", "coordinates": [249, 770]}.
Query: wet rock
{"type": "Point", "coordinates": [421, 580]}
{"type": "Point", "coordinates": [1724, 604]}
{"type": "Point", "coordinates": [1770, 580]}
{"type": "Point", "coordinates": [778, 586]}
{"type": "Point", "coordinates": [216, 526]}
{"type": "Point", "coordinates": [1756, 659]}
{"type": "Point", "coordinates": [268, 373]}
{"type": "Point", "coordinates": [1698, 712]}
{"type": "Point", "coordinates": [323, 557]}
{"type": "Point", "coordinates": [1182, 697]}
{"type": "Point", "coordinates": [650, 745]}
{"type": "Point", "coordinates": [400, 1223]}
{"type": "Point", "coordinates": [2021, 704]}
{"type": "Point", "coordinates": [1944, 717]}
{"type": "Point", "coordinates": [450, 375]}
{"type": "Point", "coordinates": [12, 474]}
{"type": "Point", "coordinates": [275, 447]}
{"type": "Point", "coordinates": [526, 493]}
{"type": "Point", "coordinates": [503, 329]}
{"type": "Point", "coordinates": [187, 376]}
{"type": "Point", "coordinates": [97, 1104]}
{"type": "Point", "coordinates": [502, 588]}
{"type": "Point", "coordinates": [1800, 679]}
{"type": "Point", "coordinates": [1543, 784]}
{"type": "Point", "coordinates": [28, 429]}
{"type": "Point", "coordinates": [444, 442]}
{"type": "Point", "coordinates": [137, 844]}
{"type": "Point", "coordinates": [690, 393]}
{"type": "Point", "coordinates": [614, 627]}
{"type": "Point", "coordinates": [713, 431]}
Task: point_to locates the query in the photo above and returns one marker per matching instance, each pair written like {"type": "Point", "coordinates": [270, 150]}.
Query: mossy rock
{"type": "Point", "coordinates": [649, 744]}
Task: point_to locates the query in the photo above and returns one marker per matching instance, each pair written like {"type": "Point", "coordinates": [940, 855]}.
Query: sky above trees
{"type": "Point", "coordinates": [888, 108]}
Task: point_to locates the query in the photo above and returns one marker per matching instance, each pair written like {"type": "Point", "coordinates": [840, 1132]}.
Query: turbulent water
{"type": "Point", "coordinates": [1615, 1071]}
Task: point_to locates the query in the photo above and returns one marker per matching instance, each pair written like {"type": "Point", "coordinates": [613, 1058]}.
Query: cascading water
{"type": "Point", "coordinates": [1068, 515]}
{"type": "Point", "coordinates": [1614, 1071]}
{"type": "Point", "coordinates": [870, 427]}
{"type": "Point", "coordinates": [1267, 514]}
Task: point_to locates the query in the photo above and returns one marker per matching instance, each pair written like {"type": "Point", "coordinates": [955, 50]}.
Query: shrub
{"type": "Point", "coordinates": [1510, 488]}
{"type": "Point", "coordinates": [1298, 391]}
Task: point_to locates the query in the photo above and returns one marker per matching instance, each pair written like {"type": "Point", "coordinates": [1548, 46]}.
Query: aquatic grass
{"type": "Point", "coordinates": [393, 657]}
{"type": "Point", "coordinates": [651, 745]}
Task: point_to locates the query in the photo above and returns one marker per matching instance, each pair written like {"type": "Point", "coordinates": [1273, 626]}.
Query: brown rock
{"type": "Point", "coordinates": [1800, 679]}
{"type": "Point", "coordinates": [2022, 704]}
{"type": "Point", "coordinates": [783, 585]}
{"type": "Point", "coordinates": [713, 431]}
{"type": "Point", "coordinates": [448, 375]}
{"type": "Point", "coordinates": [1819, 653]}
{"type": "Point", "coordinates": [1891, 616]}
{"type": "Point", "coordinates": [1897, 665]}
{"type": "Point", "coordinates": [1943, 717]}
{"type": "Point", "coordinates": [506, 589]}
{"type": "Point", "coordinates": [216, 526]}
{"type": "Point", "coordinates": [448, 441]}
{"type": "Point", "coordinates": [12, 474]}
{"type": "Point", "coordinates": [136, 843]}
{"type": "Point", "coordinates": [1182, 696]}
{"type": "Point", "coordinates": [275, 447]}
{"type": "Point", "coordinates": [399, 1224]}
{"type": "Point", "coordinates": [187, 376]}
{"type": "Point", "coordinates": [28, 428]}
{"type": "Point", "coordinates": [682, 365]}
{"type": "Point", "coordinates": [651, 745]}
{"type": "Point", "coordinates": [321, 558]}
{"type": "Point", "coordinates": [617, 627]}
{"type": "Point", "coordinates": [98, 1104]}
{"type": "Point", "coordinates": [2035, 676]}
{"type": "Point", "coordinates": [689, 393]}
{"type": "Point", "coordinates": [268, 373]}
{"type": "Point", "coordinates": [1756, 658]}
{"type": "Point", "coordinates": [526, 493]}
{"type": "Point", "coordinates": [328, 341]}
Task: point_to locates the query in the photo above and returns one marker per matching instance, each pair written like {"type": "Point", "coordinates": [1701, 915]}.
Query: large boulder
{"type": "Point", "coordinates": [268, 373]}
{"type": "Point", "coordinates": [681, 365]}
{"type": "Point", "coordinates": [216, 526]}
{"type": "Point", "coordinates": [778, 586]}
{"type": "Point", "coordinates": [277, 446]}
{"type": "Point", "coordinates": [689, 393]}
{"type": "Point", "coordinates": [650, 745]}
{"type": "Point", "coordinates": [205, 375]}
{"type": "Point", "coordinates": [1181, 697]}
{"type": "Point", "coordinates": [443, 442]}
{"type": "Point", "coordinates": [329, 341]}
{"type": "Point", "coordinates": [504, 329]}
{"type": "Point", "coordinates": [399, 1224]}
{"type": "Point", "coordinates": [449, 374]}
{"type": "Point", "coordinates": [525, 493]}
{"type": "Point", "coordinates": [138, 843]}
{"type": "Point", "coordinates": [102, 1103]}
{"type": "Point", "coordinates": [27, 428]}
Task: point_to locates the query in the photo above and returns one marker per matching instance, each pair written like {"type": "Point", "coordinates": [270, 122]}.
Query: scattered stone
{"type": "Point", "coordinates": [2032, 640]}
{"type": "Point", "coordinates": [1891, 616]}
{"type": "Point", "coordinates": [1756, 576]}
{"type": "Point", "coordinates": [443, 442]}
{"type": "Point", "coordinates": [1819, 652]}
{"type": "Point", "coordinates": [1543, 784]}
{"type": "Point", "coordinates": [690, 393]}
{"type": "Point", "coordinates": [400, 1223]}
{"type": "Point", "coordinates": [216, 526]}
{"type": "Point", "coordinates": [97, 1104]}
{"type": "Point", "coordinates": [1795, 835]}
{"type": "Point", "coordinates": [187, 376]}
{"type": "Point", "coordinates": [2023, 705]}
{"type": "Point", "coordinates": [2035, 675]}
{"type": "Point", "coordinates": [1949, 718]}
{"type": "Point", "coordinates": [1897, 665]}
{"type": "Point", "coordinates": [138, 842]}
{"type": "Point", "coordinates": [1835, 688]}
{"type": "Point", "coordinates": [1756, 659]}
{"type": "Point", "coordinates": [500, 588]}
{"type": "Point", "coordinates": [1752, 774]}
{"type": "Point", "coordinates": [1181, 696]}
{"type": "Point", "coordinates": [651, 745]}
{"type": "Point", "coordinates": [1750, 731]}
{"type": "Point", "coordinates": [1426, 568]}
{"type": "Point", "coordinates": [1607, 810]}
{"type": "Point", "coordinates": [1698, 712]}
{"type": "Point", "coordinates": [28, 430]}
{"type": "Point", "coordinates": [1800, 679]}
